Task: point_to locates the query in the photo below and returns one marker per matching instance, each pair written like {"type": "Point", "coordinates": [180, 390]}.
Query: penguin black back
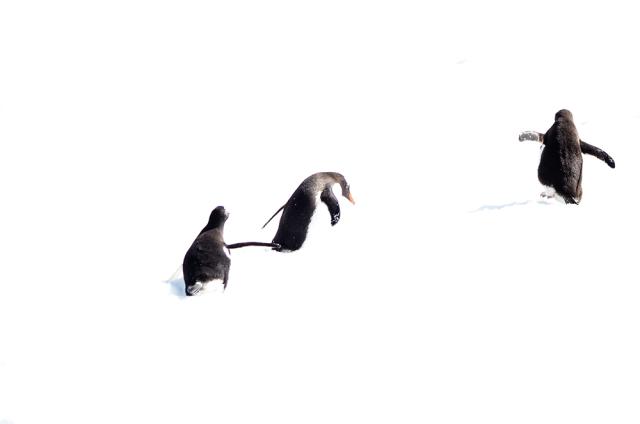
{"type": "Point", "coordinates": [561, 159]}
{"type": "Point", "coordinates": [299, 209]}
{"type": "Point", "coordinates": [206, 260]}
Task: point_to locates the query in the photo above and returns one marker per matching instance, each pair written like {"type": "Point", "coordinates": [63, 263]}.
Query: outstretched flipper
{"type": "Point", "coordinates": [531, 136]}
{"type": "Point", "coordinates": [274, 215]}
{"type": "Point", "coordinates": [252, 243]}
{"type": "Point", "coordinates": [588, 149]}
{"type": "Point", "coordinates": [329, 199]}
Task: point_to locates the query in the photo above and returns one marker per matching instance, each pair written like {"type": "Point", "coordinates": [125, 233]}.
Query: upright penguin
{"type": "Point", "coordinates": [560, 165]}
{"type": "Point", "coordinates": [206, 260]}
{"type": "Point", "coordinates": [297, 212]}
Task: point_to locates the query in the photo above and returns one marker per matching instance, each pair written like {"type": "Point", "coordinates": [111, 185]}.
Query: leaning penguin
{"type": "Point", "coordinates": [560, 168]}
{"type": "Point", "coordinates": [299, 209]}
{"type": "Point", "coordinates": [206, 260]}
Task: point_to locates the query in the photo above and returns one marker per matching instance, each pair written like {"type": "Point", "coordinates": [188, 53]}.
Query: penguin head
{"type": "Point", "coordinates": [346, 190]}
{"type": "Point", "coordinates": [218, 217]}
{"type": "Point", "coordinates": [564, 114]}
{"type": "Point", "coordinates": [333, 178]}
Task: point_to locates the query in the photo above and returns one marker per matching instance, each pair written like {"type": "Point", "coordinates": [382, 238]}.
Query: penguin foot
{"type": "Point", "coordinates": [194, 289]}
{"type": "Point", "coordinates": [548, 193]}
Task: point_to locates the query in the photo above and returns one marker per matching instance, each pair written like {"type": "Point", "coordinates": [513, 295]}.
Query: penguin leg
{"type": "Point", "coordinates": [588, 149]}
{"type": "Point", "coordinates": [328, 198]}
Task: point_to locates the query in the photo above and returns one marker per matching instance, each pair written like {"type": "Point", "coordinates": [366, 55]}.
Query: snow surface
{"type": "Point", "coordinates": [450, 293]}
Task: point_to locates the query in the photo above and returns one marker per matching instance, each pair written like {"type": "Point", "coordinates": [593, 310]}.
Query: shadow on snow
{"type": "Point", "coordinates": [510, 205]}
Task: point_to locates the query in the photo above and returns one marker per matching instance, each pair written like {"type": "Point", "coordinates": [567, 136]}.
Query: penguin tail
{"type": "Point", "coordinates": [571, 200]}
{"type": "Point", "coordinates": [274, 215]}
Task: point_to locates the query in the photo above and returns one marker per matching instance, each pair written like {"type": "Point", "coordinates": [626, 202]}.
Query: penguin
{"type": "Point", "coordinates": [206, 259]}
{"type": "Point", "coordinates": [560, 168]}
{"type": "Point", "coordinates": [297, 212]}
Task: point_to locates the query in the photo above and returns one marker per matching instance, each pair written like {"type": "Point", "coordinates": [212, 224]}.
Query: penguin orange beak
{"type": "Point", "coordinates": [351, 199]}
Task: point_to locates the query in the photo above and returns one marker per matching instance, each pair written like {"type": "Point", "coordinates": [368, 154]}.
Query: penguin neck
{"type": "Point", "coordinates": [322, 180]}
{"type": "Point", "coordinates": [213, 226]}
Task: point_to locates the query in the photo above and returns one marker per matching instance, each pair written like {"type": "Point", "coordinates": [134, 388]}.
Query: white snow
{"type": "Point", "coordinates": [450, 293]}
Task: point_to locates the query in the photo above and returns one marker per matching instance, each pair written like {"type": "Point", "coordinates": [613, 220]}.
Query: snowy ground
{"type": "Point", "coordinates": [450, 293]}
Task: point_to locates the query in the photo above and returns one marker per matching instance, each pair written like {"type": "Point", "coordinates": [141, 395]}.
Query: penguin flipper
{"type": "Point", "coordinates": [329, 199]}
{"type": "Point", "coordinates": [252, 243]}
{"type": "Point", "coordinates": [588, 149]}
{"type": "Point", "coordinates": [531, 136]}
{"type": "Point", "coordinates": [274, 215]}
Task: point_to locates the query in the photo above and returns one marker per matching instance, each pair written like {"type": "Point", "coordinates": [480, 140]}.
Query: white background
{"type": "Point", "coordinates": [448, 294]}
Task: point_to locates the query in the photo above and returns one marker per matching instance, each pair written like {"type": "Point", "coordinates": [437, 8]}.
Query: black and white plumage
{"type": "Point", "coordinates": [206, 260]}
{"type": "Point", "coordinates": [560, 165]}
{"type": "Point", "coordinates": [299, 209]}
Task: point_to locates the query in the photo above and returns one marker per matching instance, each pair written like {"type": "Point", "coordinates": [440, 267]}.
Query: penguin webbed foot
{"type": "Point", "coordinates": [549, 193]}
{"type": "Point", "coordinates": [335, 218]}
{"type": "Point", "coordinates": [193, 289]}
{"type": "Point", "coordinates": [546, 195]}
